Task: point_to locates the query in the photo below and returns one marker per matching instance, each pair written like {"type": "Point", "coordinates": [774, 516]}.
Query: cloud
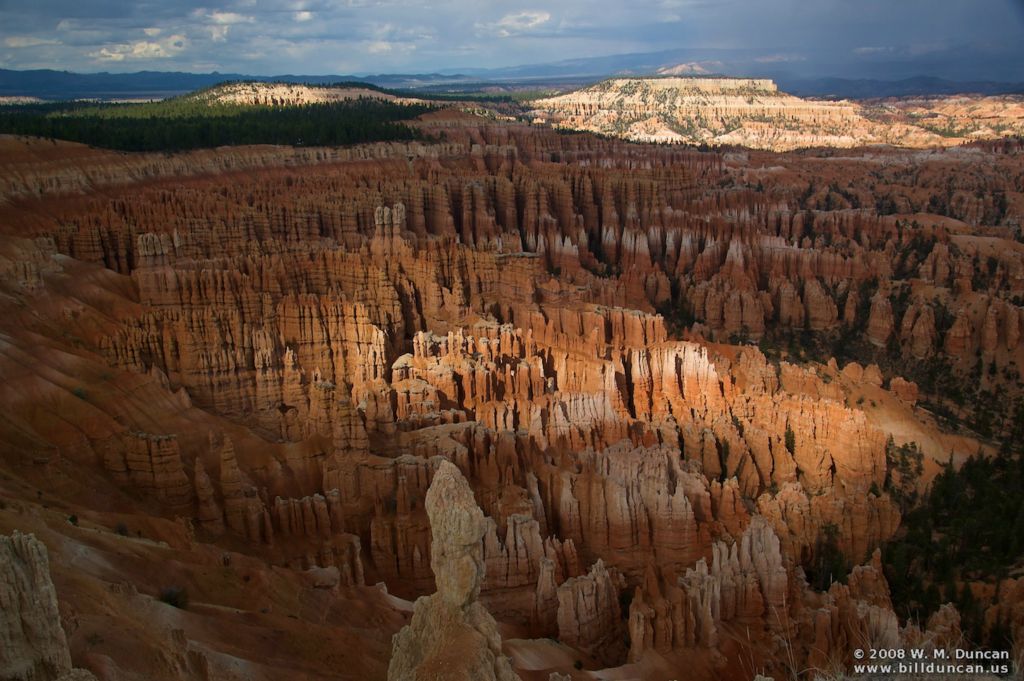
{"type": "Point", "coordinates": [381, 47]}
{"type": "Point", "coordinates": [951, 38]}
{"type": "Point", "coordinates": [918, 49]}
{"type": "Point", "coordinates": [871, 49]}
{"type": "Point", "coordinates": [18, 41]}
{"type": "Point", "coordinates": [218, 24]}
{"type": "Point", "coordinates": [142, 50]}
{"type": "Point", "coordinates": [779, 58]}
{"type": "Point", "coordinates": [223, 18]}
{"type": "Point", "coordinates": [516, 23]}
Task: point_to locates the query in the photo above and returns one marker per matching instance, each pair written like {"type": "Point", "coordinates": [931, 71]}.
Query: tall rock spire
{"type": "Point", "coordinates": [451, 635]}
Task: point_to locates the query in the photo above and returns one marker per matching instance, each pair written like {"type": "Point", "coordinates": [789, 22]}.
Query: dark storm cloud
{"type": "Point", "coordinates": [350, 36]}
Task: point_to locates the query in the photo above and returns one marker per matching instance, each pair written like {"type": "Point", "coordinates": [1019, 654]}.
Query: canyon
{"type": "Point", "coordinates": [501, 403]}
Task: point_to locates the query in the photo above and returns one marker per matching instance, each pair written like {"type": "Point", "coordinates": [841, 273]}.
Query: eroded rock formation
{"type": "Point", "coordinates": [33, 646]}
{"type": "Point", "coordinates": [245, 377]}
{"type": "Point", "coordinates": [755, 113]}
{"type": "Point", "coordinates": [451, 635]}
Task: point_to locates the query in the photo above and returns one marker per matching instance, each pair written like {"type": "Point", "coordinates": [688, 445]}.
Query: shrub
{"type": "Point", "coordinates": [904, 466]}
{"type": "Point", "coordinates": [829, 564]}
{"type": "Point", "coordinates": [678, 317]}
{"type": "Point", "coordinates": [73, 519]}
{"type": "Point", "coordinates": [967, 527]}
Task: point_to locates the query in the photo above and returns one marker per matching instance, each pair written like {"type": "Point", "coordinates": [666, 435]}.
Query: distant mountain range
{"type": "Point", "coordinates": [47, 84]}
{"type": "Point", "coordinates": [567, 74]}
{"type": "Point", "coordinates": [861, 88]}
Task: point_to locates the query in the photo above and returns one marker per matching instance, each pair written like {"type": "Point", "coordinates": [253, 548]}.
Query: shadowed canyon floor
{"type": "Point", "coordinates": [679, 405]}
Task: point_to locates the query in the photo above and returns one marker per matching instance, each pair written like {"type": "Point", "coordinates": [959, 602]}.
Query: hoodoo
{"type": "Point", "coordinates": [441, 393]}
{"type": "Point", "coordinates": [33, 646]}
{"type": "Point", "coordinates": [452, 637]}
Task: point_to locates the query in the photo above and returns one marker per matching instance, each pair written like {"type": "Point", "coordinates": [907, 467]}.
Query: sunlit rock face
{"type": "Point", "coordinates": [754, 113]}
{"type": "Point", "coordinates": [451, 635]}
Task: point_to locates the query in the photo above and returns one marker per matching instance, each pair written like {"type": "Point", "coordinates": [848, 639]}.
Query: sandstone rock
{"type": "Point", "coordinates": [904, 389]}
{"type": "Point", "coordinates": [34, 647]}
{"type": "Point", "coordinates": [451, 635]}
{"type": "Point", "coordinates": [959, 337]}
{"type": "Point", "coordinates": [667, 109]}
{"type": "Point", "coordinates": [545, 610]}
{"type": "Point", "coordinates": [872, 375]}
{"type": "Point", "coordinates": [990, 330]}
{"type": "Point", "coordinates": [588, 612]}
{"type": "Point", "coordinates": [852, 618]}
{"type": "Point", "coordinates": [152, 465]}
{"type": "Point", "coordinates": [798, 519]}
{"type": "Point", "coordinates": [880, 320]}
{"type": "Point", "coordinates": [918, 326]}
{"type": "Point", "coordinates": [77, 675]}
{"type": "Point", "coordinates": [209, 513]}
{"type": "Point", "coordinates": [244, 510]}
{"type": "Point", "coordinates": [942, 630]}
{"type": "Point", "coordinates": [854, 372]}
{"type": "Point", "coordinates": [822, 313]}
{"type": "Point", "coordinates": [336, 344]}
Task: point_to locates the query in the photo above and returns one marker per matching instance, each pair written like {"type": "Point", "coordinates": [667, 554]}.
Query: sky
{"type": "Point", "coordinates": [951, 38]}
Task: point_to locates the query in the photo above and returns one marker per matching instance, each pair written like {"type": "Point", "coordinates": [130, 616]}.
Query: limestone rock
{"type": "Point", "coordinates": [918, 327]}
{"type": "Point", "coordinates": [750, 112]}
{"type": "Point", "coordinates": [880, 321]}
{"type": "Point", "coordinates": [872, 375]}
{"type": "Point", "coordinates": [958, 339]}
{"type": "Point", "coordinates": [209, 513]}
{"type": "Point", "coordinates": [451, 635]}
{"type": "Point", "coordinates": [32, 642]}
{"type": "Point", "coordinates": [152, 465]}
{"type": "Point", "coordinates": [904, 389]}
{"type": "Point", "coordinates": [568, 320]}
{"type": "Point", "coordinates": [589, 615]}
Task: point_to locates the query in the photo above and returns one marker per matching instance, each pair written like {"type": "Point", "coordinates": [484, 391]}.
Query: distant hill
{"type": "Point", "coordinates": [51, 85]}
{"type": "Point", "coordinates": [237, 113]}
{"type": "Point", "coordinates": [260, 93]}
